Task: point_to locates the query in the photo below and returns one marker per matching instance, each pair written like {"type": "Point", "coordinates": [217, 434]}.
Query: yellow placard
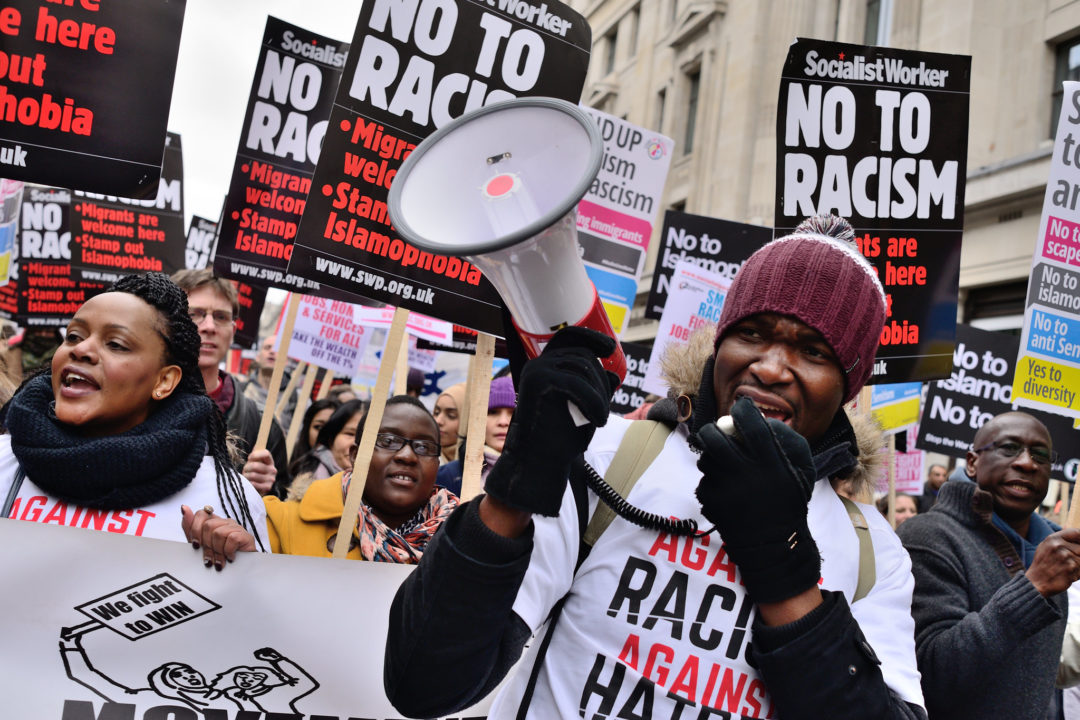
{"type": "Point", "coordinates": [898, 414]}
{"type": "Point", "coordinates": [1047, 383]}
{"type": "Point", "coordinates": [616, 314]}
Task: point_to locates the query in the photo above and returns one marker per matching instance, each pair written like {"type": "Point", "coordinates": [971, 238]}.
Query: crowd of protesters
{"type": "Point", "coordinates": [736, 539]}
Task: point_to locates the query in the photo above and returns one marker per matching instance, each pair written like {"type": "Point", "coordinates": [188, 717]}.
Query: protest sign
{"type": "Point", "coordinates": [629, 396]}
{"type": "Point", "coordinates": [615, 218]}
{"type": "Point", "coordinates": [694, 300]}
{"type": "Point", "coordinates": [201, 240]}
{"type": "Point", "coordinates": [435, 331]}
{"type": "Point", "coordinates": [879, 136]}
{"type": "Point", "coordinates": [909, 475]}
{"type": "Point", "coordinates": [327, 335]}
{"type": "Point", "coordinates": [895, 406]}
{"type": "Point", "coordinates": [280, 143]}
{"type": "Point", "coordinates": [114, 236]}
{"type": "Point", "coordinates": [980, 388]}
{"type": "Point", "coordinates": [11, 194]}
{"type": "Point", "coordinates": [410, 72]}
{"type": "Point", "coordinates": [718, 246]}
{"type": "Point", "coordinates": [87, 92]}
{"type": "Point", "coordinates": [49, 293]}
{"type": "Point", "coordinates": [1048, 369]}
{"type": "Point", "coordinates": [251, 298]}
{"type": "Point", "coordinates": [464, 341]}
{"type": "Point", "coordinates": [138, 628]}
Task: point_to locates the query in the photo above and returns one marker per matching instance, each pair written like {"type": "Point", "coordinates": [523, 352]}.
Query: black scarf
{"type": "Point", "coordinates": [136, 468]}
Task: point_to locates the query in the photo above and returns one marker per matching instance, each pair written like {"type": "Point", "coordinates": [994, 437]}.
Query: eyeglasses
{"type": "Point", "coordinates": [1010, 449]}
{"type": "Point", "coordinates": [393, 443]}
{"type": "Point", "coordinates": [222, 318]}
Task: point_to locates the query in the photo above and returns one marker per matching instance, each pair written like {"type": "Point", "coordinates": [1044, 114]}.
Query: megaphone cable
{"type": "Point", "coordinates": [631, 513]}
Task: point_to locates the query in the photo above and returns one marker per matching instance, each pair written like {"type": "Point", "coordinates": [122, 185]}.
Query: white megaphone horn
{"type": "Point", "coordinates": [500, 186]}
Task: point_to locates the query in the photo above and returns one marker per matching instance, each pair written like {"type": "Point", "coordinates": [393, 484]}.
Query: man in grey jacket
{"type": "Point", "coordinates": [990, 581]}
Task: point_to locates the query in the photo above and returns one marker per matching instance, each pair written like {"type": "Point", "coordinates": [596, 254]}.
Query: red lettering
{"type": "Point", "coordinates": [144, 517]}
{"type": "Point", "coordinates": [730, 694]}
{"type": "Point", "coordinates": [686, 680]}
{"type": "Point", "coordinates": [754, 695]}
{"type": "Point", "coordinates": [74, 34]}
{"type": "Point", "coordinates": [668, 543]}
{"type": "Point", "coordinates": [697, 561]}
{"type": "Point", "coordinates": [96, 517]}
{"type": "Point", "coordinates": [120, 521]}
{"type": "Point", "coordinates": [661, 670]}
{"type": "Point", "coordinates": [32, 511]}
{"type": "Point", "coordinates": [630, 652]}
{"type": "Point", "coordinates": [721, 562]}
{"type": "Point", "coordinates": [10, 20]}
{"type": "Point", "coordinates": [57, 515]}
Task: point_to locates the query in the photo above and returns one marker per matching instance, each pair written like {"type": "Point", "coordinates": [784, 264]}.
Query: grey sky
{"type": "Point", "coordinates": [218, 51]}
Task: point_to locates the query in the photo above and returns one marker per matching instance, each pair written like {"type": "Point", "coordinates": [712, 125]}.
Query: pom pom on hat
{"type": "Point", "coordinates": [818, 276]}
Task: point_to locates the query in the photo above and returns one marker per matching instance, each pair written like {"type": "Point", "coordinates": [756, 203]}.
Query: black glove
{"type": "Point", "coordinates": [755, 488]}
{"type": "Point", "coordinates": [542, 440]}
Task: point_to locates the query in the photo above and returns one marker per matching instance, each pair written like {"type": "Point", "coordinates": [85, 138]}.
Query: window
{"type": "Point", "coordinates": [997, 307]}
{"type": "Point", "coordinates": [693, 87]}
{"type": "Point", "coordinates": [612, 41]}
{"type": "Point", "coordinates": [635, 23]}
{"type": "Point", "coordinates": [878, 22]}
{"type": "Point", "coordinates": [1066, 67]}
{"type": "Point", "coordinates": [674, 10]}
{"type": "Point", "coordinates": [661, 99]}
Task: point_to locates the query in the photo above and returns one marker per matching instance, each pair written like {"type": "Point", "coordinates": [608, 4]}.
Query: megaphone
{"type": "Point", "coordinates": [500, 186]}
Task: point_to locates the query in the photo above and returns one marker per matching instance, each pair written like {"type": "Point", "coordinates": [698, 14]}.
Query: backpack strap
{"type": "Point", "coordinates": [641, 444]}
{"type": "Point", "coordinates": [13, 491]}
{"type": "Point", "coordinates": [867, 569]}
{"type": "Point", "coordinates": [643, 441]}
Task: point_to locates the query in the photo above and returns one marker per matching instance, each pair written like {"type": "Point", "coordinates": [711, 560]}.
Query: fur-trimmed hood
{"type": "Point", "coordinates": [681, 367]}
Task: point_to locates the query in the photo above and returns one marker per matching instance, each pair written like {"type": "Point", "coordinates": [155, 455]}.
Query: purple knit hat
{"type": "Point", "coordinates": [818, 276]}
{"type": "Point", "coordinates": [502, 394]}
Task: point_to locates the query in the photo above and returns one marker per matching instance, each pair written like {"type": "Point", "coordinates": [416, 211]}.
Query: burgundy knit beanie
{"type": "Point", "coordinates": [818, 276]}
{"type": "Point", "coordinates": [502, 394]}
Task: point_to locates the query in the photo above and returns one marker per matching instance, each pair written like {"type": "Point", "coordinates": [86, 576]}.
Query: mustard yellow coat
{"type": "Point", "coordinates": [308, 526]}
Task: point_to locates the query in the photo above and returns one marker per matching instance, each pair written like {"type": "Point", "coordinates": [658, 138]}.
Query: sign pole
{"type": "Point", "coordinates": [301, 408]}
{"type": "Point", "coordinates": [367, 439]}
{"type": "Point", "coordinates": [279, 370]}
{"type": "Point", "coordinates": [479, 388]}
{"type": "Point", "coordinates": [290, 388]}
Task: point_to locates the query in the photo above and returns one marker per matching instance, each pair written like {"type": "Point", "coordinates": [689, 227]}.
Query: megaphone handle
{"type": "Point", "coordinates": [576, 415]}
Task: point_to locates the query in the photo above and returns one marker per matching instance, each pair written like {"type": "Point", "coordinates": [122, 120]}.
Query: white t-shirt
{"type": "Point", "coordinates": [160, 520]}
{"type": "Point", "coordinates": [657, 621]}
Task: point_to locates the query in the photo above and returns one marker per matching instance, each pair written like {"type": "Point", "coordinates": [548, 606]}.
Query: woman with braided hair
{"type": "Point", "coordinates": [119, 432]}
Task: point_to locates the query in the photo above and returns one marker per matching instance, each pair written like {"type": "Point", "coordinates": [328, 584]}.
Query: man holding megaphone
{"type": "Point", "coordinates": [770, 610]}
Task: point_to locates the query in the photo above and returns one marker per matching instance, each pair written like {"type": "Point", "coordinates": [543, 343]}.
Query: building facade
{"type": "Point", "coordinates": [706, 73]}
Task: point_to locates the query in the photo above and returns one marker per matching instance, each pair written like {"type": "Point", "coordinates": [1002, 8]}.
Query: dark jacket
{"type": "Point", "coordinates": [988, 644]}
{"type": "Point", "coordinates": [242, 420]}
{"type": "Point", "coordinates": [454, 616]}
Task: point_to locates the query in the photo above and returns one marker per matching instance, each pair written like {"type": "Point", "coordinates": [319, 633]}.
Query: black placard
{"type": "Point", "coordinates": [280, 143]}
{"type": "Point", "coordinates": [87, 105]}
{"type": "Point", "coordinates": [979, 388]}
{"type": "Point", "coordinates": [411, 71]}
{"type": "Point", "coordinates": [715, 245]}
{"type": "Point", "coordinates": [114, 236]}
{"type": "Point", "coordinates": [851, 115]}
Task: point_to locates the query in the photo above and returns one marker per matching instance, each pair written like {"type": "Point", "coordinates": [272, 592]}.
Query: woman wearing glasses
{"type": "Point", "coordinates": [401, 511]}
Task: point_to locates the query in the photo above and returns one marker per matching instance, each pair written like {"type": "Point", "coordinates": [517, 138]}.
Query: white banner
{"type": "Point", "coordinates": [102, 626]}
{"type": "Point", "coordinates": [326, 334]}
{"type": "Point", "coordinates": [695, 298]}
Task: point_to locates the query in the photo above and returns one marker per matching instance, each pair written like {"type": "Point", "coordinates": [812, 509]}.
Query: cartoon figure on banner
{"type": "Point", "coordinates": [161, 603]}
{"type": "Point", "coordinates": [273, 688]}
